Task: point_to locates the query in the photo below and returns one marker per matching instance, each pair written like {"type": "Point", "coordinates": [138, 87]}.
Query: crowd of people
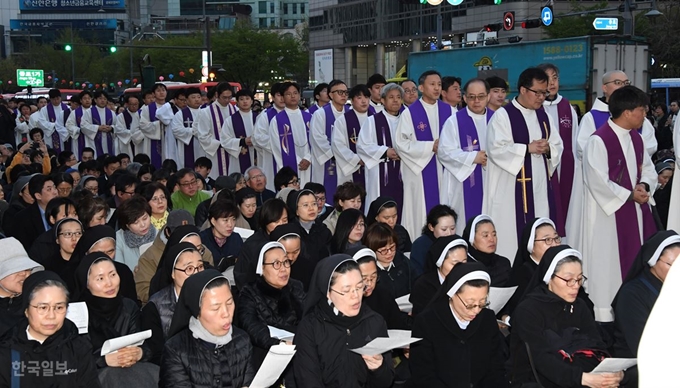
{"type": "Point", "coordinates": [211, 225]}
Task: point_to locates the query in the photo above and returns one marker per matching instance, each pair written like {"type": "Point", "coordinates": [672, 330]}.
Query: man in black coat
{"type": "Point", "coordinates": [30, 222]}
{"type": "Point", "coordinates": [7, 124]}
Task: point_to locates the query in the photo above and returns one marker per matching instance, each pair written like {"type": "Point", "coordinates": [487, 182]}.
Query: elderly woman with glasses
{"type": "Point", "coordinates": [461, 345]}
{"type": "Point", "coordinates": [274, 299]}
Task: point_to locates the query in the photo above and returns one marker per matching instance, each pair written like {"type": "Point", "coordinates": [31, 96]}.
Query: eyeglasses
{"type": "Point", "coordinates": [387, 250]}
{"type": "Point", "coordinates": [545, 94]}
{"type": "Point", "coordinates": [340, 92]}
{"type": "Point", "coordinates": [473, 97]}
{"type": "Point", "coordinates": [572, 282]}
{"type": "Point", "coordinates": [618, 82]}
{"type": "Point", "coordinates": [277, 264]}
{"type": "Point", "coordinates": [256, 177]}
{"type": "Point", "coordinates": [190, 270]}
{"type": "Point", "coordinates": [321, 198]}
{"type": "Point", "coordinates": [473, 306]}
{"type": "Point", "coordinates": [294, 182]}
{"type": "Point", "coordinates": [373, 279]}
{"type": "Point", "coordinates": [129, 193]}
{"type": "Point", "coordinates": [551, 240]}
{"type": "Point", "coordinates": [43, 309]}
{"type": "Point", "coordinates": [360, 225]}
{"type": "Point", "coordinates": [158, 199]}
{"type": "Point", "coordinates": [92, 189]}
{"type": "Point", "coordinates": [71, 234]}
{"type": "Point", "coordinates": [358, 290]}
{"type": "Point", "coordinates": [189, 184]}
{"type": "Point", "coordinates": [411, 91]}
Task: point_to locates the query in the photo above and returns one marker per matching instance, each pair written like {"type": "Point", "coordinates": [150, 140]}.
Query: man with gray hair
{"type": "Point", "coordinates": [256, 180]}
{"type": "Point", "coordinates": [376, 150]}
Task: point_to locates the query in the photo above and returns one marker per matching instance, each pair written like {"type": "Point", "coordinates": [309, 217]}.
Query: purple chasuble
{"type": "Point", "coordinates": [52, 116]}
{"type": "Point", "coordinates": [353, 129]}
{"type": "Point", "coordinates": [330, 177]}
{"type": "Point", "coordinates": [187, 121]}
{"type": "Point", "coordinates": [240, 133]}
{"type": "Point", "coordinates": [421, 126]}
{"type": "Point", "coordinates": [98, 137]}
{"type": "Point", "coordinates": [287, 140]}
{"type": "Point", "coordinates": [627, 229]}
{"type": "Point", "coordinates": [566, 176]}
{"type": "Point", "coordinates": [389, 170]}
{"type": "Point", "coordinates": [524, 188]}
{"type": "Point", "coordinates": [473, 186]}
{"type": "Point", "coordinates": [222, 160]}
{"type": "Point", "coordinates": [156, 145]}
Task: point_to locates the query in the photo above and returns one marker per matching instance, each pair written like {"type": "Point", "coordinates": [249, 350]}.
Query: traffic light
{"type": "Point", "coordinates": [62, 46]}
{"type": "Point", "coordinates": [531, 23]}
{"type": "Point", "coordinates": [493, 27]}
{"type": "Point", "coordinates": [497, 2]}
{"type": "Point", "coordinates": [110, 49]}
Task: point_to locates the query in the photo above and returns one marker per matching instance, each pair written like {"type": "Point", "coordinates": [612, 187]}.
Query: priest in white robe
{"type": "Point", "coordinates": [153, 122]}
{"type": "Point", "coordinates": [97, 126]}
{"type": "Point", "coordinates": [524, 149]}
{"type": "Point", "coordinates": [51, 119]}
{"type": "Point", "coordinates": [210, 122]}
{"type": "Point", "coordinates": [375, 147]}
{"type": "Point", "coordinates": [416, 143]}
{"type": "Point", "coordinates": [620, 180]}
{"type": "Point", "coordinates": [125, 122]}
{"type": "Point", "coordinates": [346, 130]}
{"type": "Point", "coordinates": [22, 122]}
{"type": "Point", "coordinates": [184, 128]}
{"type": "Point", "coordinates": [289, 135]}
{"type": "Point", "coordinates": [462, 152]}
{"type": "Point", "coordinates": [322, 127]}
{"type": "Point", "coordinates": [237, 134]}
{"type": "Point", "coordinates": [261, 138]}
{"type": "Point", "coordinates": [75, 120]}
{"type": "Point", "coordinates": [375, 84]}
{"type": "Point", "coordinates": [674, 208]}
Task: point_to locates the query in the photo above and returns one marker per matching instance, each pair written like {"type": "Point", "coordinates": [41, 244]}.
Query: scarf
{"type": "Point", "coordinates": [135, 241]}
{"type": "Point", "coordinates": [200, 332]}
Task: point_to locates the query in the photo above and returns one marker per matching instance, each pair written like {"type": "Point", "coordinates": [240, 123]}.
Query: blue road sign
{"type": "Point", "coordinates": [547, 16]}
{"type": "Point", "coordinates": [606, 24]}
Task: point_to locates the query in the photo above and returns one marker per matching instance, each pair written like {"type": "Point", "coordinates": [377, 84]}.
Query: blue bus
{"type": "Point", "coordinates": [665, 90]}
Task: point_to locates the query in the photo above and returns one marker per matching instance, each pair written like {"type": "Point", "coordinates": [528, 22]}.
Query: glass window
{"type": "Point", "coordinates": [285, 8]}
{"type": "Point", "coordinates": [262, 5]}
{"type": "Point", "coordinates": [263, 22]}
{"type": "Point", "coordinates": [302, 8]}
{"type": "Point", "coordinates": [294, 8]}
{"type": "Point", "coordinates": [271, 7]}
{"type": "Point", "coordinates": [272, 22]}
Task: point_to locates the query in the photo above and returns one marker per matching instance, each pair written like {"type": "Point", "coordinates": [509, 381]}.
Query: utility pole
{"type": "Point", "coordinates": [628, 25]}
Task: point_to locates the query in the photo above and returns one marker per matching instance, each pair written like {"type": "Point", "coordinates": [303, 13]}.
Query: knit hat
{"type": "Point", "coordinates": [13, 258]}
{"type": "Point", "coordinates": [177, 218]}
{"type": "Point", "coordinates": [225, 182]}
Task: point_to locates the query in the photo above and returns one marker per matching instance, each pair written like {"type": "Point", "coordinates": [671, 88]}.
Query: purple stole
{"type": "Point", "coordinates": [187, 121]}
{"type": "Point", "coordinates": [127, 117]}
{"type": "Point", "coordinates": [421, 126]}
{"type": "Point", "coordinates": [240, 133]}
{"type": "Point", "coordinates": [566, 176]}
{"type": "Point", "coordinates": [314, 108]}
{"type": "Point", "coordinates": [52, 116]}
{"type": "Point", "coordinates": [600, 118]}
{"type": "Point", "coordinates": [353, 129]}
{"type": "Point", "coordinates": [330, 177]}
{"type": "Point", "coordinates": [390, 178]}
{"type": "Point", "coordinates": [155, 145]}
{"type": "Point", "coordinates": [287, 142]}
{"type": "Point", "coordinates": [402, 109]}
{"type": "Point", "coordinates": [524, 188]}
{"type": "Point", "coordinates": [222, 160]}
{"type": "Point", "coordinates": [98, 137]}
{"type": "Point", "coordinates": [67, 143]}
{"type": "Point", "coordinates": [627, 229]}
{"type": "Point", "coordinates": [473, 186]}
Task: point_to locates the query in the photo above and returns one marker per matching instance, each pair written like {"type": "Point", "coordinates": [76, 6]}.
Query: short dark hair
{"type": "Point", "coordinates": [127, 98]}
{"type": "Point", "coordinates": [184, 172]}
{"type": "Point", "coordinates": [36, 184]}
{"type": "Point", "coordinates": [375, 79]}
{"type": "Point", "coordinates": [61, 177]}
{"type": "Point", "coordinates": [427, 73]}
{"type": "Point", "coordinates": [480, 80]}
{"type": "Point", "coordinates": [318, 89]}
{"type": "Point", "coordinates": [287, 85]}
{"type": "Point", "coordinates": [626, 98]}
{"type": "Point", "coordinates": [203, 162]}
{"type": "Point", "coordinates": [35, 130]}
{"type": "Point", "coordinates": [347, 191]}
{"type": "Point", "coordinates": [142, 158]}
{"type": "Point", "coordinates": [150, 188]}
{"type": "Point", "coordinates": [223, 209]}
{"type": "Point", "coordinates": [359, 90]}
{"type": "Point", "coordinates": [170, 165]}
{"type": "Point", "coordinates": [222, 87]}
{"type": "Point", "coordinates": [109, 160]}
{"type": "Point", "coordinates": [84, 93]}
{"type": "Point", "coordinates": [40, 98]}
{"type": "Point", "coordinates": [497, 82]}
{"type": "Point", "coordinates": [86, 149]}
{"type": "Point", "coordinates": [131, 210]}
{"type": "Point", "coordinates": [88, 207]}
{"type": "Point", "coordinates": [448, 81]}
{"type": "Point", "coordinates": [124, 181]}
{"type": "Point", "coordinates": [317, 188]}
{"type": "Point", "coordinates": [379, 235]}
{"type": "Point", "coordinates": [99, 93]}
{"type": "Point", "coordinates": [90, 165]}
{"type": "Point", "coordinates": [64, 156]}
{"type": "Point", "coordinates": [180, 92]}
{"type": "Point", "coordinates": [549, 66]}
{"type": "Point", "coordinates": [53, 93]}
{"type": "Point", "coordinates": [527, 77]}
{"type": "Point", "coordinates": [122, 156]}
{"type": "Point", "coordinates": [285, 175]}
{"type": "Point", "coordinates": [276, 89]}
{"type": "Point", "coordinates": [52, 208]}
{"type": "Point", "coordinates": [271, 211]}
{"type": "Point", "coordinates": [157, 86]}
{"type": "Point", "coordinates": [436, 213]}
{"type": "Point", "coordinates": [335, 82]}
{"type": "Point", "coordinates": [160, 175]}
{"type": "Point", "coordinates": [146, 169]}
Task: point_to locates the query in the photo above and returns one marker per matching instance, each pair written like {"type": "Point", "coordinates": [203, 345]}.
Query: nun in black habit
{"type": "Point", "coordinates": [461, 345]}
{"type": "Point", "coordinates": [558, 328]}
{"type": "Point", "coordinates": [289, 235]}
{"type": "Point", "coordinates": [384, 209]}
{"type": "Point", "coordinates": [446, 253]}
{"type": "Point", "coordinates": [640, 289]}
{"type": "Point", "coordinates": [205, 349]}
{"type": "Point", "coordinates": [480, 233]}
{"type": "Point", "coordinates": [336, 321]}
{"type": "Point", "coordinates": [106, 236]}
{"type": "Point", "coordinates": [112, 315]}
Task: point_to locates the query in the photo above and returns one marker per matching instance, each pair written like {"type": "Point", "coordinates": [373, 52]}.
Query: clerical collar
{"type": "Point", "coordinates": [427, 103]}
{"type": "Point", "coordinates": [375, 103]}
{"type": "Point", "coordinates": [292, 110]}
{"type": "Point", "coordinates": [519, 105]}
{"type": "Point", "coordinates": [555, 100]}
{"type": "Point", "coordinates": [471, 113]}
{"type": "Point", "coordinates": [617, 128]}
{"type": "Point", "coordinates": [341, 110]}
